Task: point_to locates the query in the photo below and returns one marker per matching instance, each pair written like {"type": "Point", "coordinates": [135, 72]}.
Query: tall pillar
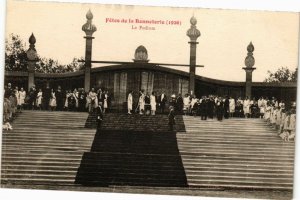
{"type": "Point", "coordinates": [32, 58]}
{"type": "Point", "coordinates": [89, 29]}
{"type": "Point", "coordinates": [193, 33]}
{"type": "Point", "coordinates": [249, 62]}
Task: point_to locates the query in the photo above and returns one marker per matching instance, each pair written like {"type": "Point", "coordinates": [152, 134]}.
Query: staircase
{"type": "Point", "coordinates": [44, 148]}
{"type": "Point", "coordinates": [134, 122]}
{"type": "Point", "coordinates": [54, 148]}
{"type": "Point", "coordinates": [235, 153]}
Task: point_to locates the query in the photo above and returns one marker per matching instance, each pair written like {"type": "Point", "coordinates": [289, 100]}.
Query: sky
{"type": "Point", "coordinates": [222, 46]}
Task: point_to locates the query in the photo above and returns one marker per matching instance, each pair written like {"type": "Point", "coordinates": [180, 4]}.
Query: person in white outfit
{"type": "Point", "coordinates": [153, 103]}
{"type": "Point", "coordinates": [129, 102]}
{"type": "Point", "coordinates": [142, 102]}
{"type": "Point", "coordinates": [22, 95]}
{"type": "Point", "coordinates": [231, 106]}
{"type": "Point", "coordinates": [246, 107]}
{"type": "Point", "coordinates": [39, 99]}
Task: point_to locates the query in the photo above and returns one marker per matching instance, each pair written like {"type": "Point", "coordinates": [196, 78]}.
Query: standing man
{"type": "Point", "coordinates": [59, 99]}
{"type": "Point", "coordinates": [81, 100]}
{"type": "Point", "coordinates": [129, 102]}
{"type": "Point", "coordinates": [226, 107]}
{"type": "Point", "coordinates": [219, 109]}
{"type": "Point", "coordinates": [47, 96]}
{"type": "Point", "coordinates": [162, 102]}
{"type": "Point", "coordinates": [179, 104]}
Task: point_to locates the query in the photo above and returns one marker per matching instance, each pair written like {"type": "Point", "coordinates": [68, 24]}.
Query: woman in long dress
{"type": "Point", "coordinates": [17, 94]}
{"type": "Point", "coordinates": [142, 102]}
{"type": "Point", "coordinates": [52, 102]}
{"type": "Point", "coordinates": [231, 106]}
{"type": "Point", "coordinates": [246, 107]}
{"type": "Point", "coordinates": [39, 98]}
{"type": "Point", "coordinates": [153, 103]}
{"type": "Point", "coordinates": [22, 94]}
{"type": "Point", "coordinates": [186, 104]}
{"type": "Point", "coordinates": [129, 102]}
{"type": "Point", "coordinates": [105, 101]}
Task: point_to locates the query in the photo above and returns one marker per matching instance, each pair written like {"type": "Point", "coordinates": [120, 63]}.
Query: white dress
{"type": "Point", "coordinates": [53, 100]}
{"type": "Point", "coordinates": [186, 103]}
{"type": "Point", "coordinates": [142, 102]}
{"type": "Point", "coordinates": [105, 101]}
{"type": "Point", "coordinates": [292, 125]}
{"type": "Point", "coordinates": [153, 103]}
{"type": "Point", "coordinates": [267, 113]}
{"type": "Point", "coordinates": [129, 102]}
{"type": "Point", "coordinates": [231, 105]}
{"type": "Point", "coordinates": [22, 95]}
{"type": "Point", "coordinates": [39, 98]}
{"type": "Point", "coordinates": [17, 97]}
{"type": "Point", "coordinates": [246, 106]}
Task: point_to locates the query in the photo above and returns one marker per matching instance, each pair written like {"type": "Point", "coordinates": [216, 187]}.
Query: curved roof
{"type": "Point", "coordinates": [152, 67]}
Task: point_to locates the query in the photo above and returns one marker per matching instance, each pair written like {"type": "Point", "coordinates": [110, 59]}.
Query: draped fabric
{"type": "Point", "coordinates": [147, 82]}
{"type": "Point", "coordinates": [120, 86]}
{"type": "Point", "coordinates": [183, 86]}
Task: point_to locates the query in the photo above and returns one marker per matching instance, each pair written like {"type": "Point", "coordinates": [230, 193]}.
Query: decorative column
{"type": "Point", "coordinates": [193, 33]}
{"type": "Point", "coordinates": [89, 29]}
{"type": "Point", "coordinates": [32, 58]}
{"type": "Point", "coordinates": [249, 62]}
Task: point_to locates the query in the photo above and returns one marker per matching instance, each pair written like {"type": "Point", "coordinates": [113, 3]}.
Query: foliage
{"type": "Point", "coordinates": [282, 74]}
{"type": "Point", "coordinates": [15, 54]}
{"type": "Point", "coordinates": [16, 59]}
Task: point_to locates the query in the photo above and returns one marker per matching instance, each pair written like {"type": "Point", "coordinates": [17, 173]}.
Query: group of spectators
{"type": "Point", "coordinates": [275, 112]}
{"type": "Point", "coordinates": [272, 110]}
{"type": "Point", "coordinates": [282, 119]}
{"type": "Point", "coordinates": [210, 106]}
{"type": "Point", "coordinates": [15, 100]}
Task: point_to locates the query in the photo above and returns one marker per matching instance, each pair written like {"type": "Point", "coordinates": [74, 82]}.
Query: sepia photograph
{"type": "Point", "coordinates": [149, 100]}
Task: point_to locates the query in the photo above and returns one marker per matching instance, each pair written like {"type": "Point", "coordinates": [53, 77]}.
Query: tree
{"type": "Point", "coordinates": [16, 59]}
{"type": "Point", "coordinates": [15, 54]}
{"type": "Point", "coordinates": [48, 65]}
{"type": "Point", "coordinates": [282, 75]}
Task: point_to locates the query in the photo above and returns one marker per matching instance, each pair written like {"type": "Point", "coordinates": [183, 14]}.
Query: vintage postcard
{"type": "Point", "coordinates": [149, 100]}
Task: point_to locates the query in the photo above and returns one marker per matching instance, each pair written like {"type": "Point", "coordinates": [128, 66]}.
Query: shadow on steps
{"type": "Point", "coordinates": [134, 159]}
{"type": "Point", "coordinates": [135, 122]}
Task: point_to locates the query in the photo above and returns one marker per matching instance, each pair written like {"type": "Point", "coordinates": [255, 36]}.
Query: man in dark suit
{"type": "Point", "coordinates": [179, 104]}
{"type": "Point", "coordinates": [99, 115]}
{"type": "Point", "coordinates": [162, 102]}
{"type": "Point", "coordinates": [46, 97]}
{"type": "Point", "coordinates": [59, 99]}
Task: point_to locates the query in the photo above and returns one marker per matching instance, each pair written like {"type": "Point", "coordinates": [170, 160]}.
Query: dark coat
{"type": "Point", "coordinates": [171, 117]}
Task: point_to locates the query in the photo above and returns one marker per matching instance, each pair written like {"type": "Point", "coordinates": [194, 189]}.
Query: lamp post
{"type": "Point", "coordinates": [249, 62]}
{"type": "Point", "coordinates": [89, 29]}
{"type": "Point", "coordinates": [193, 33]}
{"type": "Point", "coordinates": [32, 58]}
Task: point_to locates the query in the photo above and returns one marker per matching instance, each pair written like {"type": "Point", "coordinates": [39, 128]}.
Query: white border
{"type": "Point", "coordinates": [272, 5]}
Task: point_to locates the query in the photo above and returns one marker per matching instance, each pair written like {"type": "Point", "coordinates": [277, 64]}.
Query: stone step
{"type": "Point", "coordinates": [78, 155]}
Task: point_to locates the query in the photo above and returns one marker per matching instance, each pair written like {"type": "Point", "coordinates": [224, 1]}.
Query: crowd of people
{"type": "Point", "coordinates": [275, 112]}
{"type": "Point", "coordinates": [16, 100]}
